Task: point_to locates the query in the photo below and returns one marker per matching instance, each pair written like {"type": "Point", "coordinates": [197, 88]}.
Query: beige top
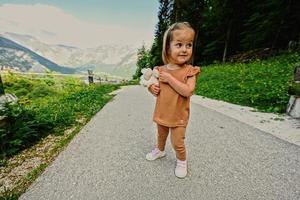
{"type": "Point", "coordinates": [173, 109]}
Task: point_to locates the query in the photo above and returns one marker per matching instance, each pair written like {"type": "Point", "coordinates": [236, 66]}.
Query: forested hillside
{"type": "Point", "coordinates": [225, 28]}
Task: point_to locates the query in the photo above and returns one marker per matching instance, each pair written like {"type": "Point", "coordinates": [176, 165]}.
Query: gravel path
{"type": "Point", "coordinates": [227, 159]}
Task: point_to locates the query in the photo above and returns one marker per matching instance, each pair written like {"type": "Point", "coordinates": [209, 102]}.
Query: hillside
{"type": "Point", "coordinates": [119, 60]}
{"type": "Point", "coordinates": [13, 55]}
{"type": "Point", "coordinates": [262, 84]}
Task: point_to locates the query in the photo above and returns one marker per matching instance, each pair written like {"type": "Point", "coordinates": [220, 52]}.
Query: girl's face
{"type": "Point", "coordinates": [181, 46]}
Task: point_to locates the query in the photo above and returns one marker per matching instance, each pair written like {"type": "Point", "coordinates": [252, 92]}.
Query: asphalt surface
{"type": "Point", "coordinates": [227, 159]}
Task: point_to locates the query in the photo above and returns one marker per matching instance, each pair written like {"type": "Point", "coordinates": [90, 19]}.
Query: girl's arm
{"type": "Point", "coordinates": [154, 89]}
{"type": "Point", "coordinates": [184, 89]}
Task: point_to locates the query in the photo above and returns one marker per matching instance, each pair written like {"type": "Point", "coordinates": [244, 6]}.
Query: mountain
{"type": "Point", "coordinates": [119, 60]}
{"type": "Point", "coordinates": [14, 55]}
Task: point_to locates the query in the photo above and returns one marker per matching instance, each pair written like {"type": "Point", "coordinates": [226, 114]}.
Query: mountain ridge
{"type": "Point", "coordinates": [8, 47]}
{"type": "Point", "coordinates": [117, 60]}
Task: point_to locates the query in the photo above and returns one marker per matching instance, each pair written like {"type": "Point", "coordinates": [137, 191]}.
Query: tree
{"type": "Point", "coordinates": [271, 24]}
{"type": "Point", "coordinates": [227, 27]}
{"type": "Point", "coordinates": [190, 11]}
{"type": "Point", "coordinates": [289, 24]}
{"type": "Point", "coordinates": [144, 61]}
{"type": "Point", "coordinates": [164, 21]}
{"type": "Point", "coordinates": [221, 27]}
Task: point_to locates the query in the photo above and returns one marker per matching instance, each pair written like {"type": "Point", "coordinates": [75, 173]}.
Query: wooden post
{"type": "Point", "coordinates": [1, 86]}
{"type": "Point", "coordinates": [90, 76]}
{"type": "Point", "coordinates": [99, 78]}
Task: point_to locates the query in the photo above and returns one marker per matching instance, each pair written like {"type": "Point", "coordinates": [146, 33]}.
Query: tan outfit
{"type": "Point", "coordinates": [177, 140]}
{"type": "Point", "coordinates": [172, 110]}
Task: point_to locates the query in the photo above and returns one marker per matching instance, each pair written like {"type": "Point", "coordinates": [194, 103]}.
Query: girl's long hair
{"type": "Point", "coordinates": [168, 36]}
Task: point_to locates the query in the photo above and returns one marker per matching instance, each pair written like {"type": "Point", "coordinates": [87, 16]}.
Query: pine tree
{"type": "Point", "coordinates": [227, 27]}
{"type": "Point", "coordinates": [222, 23]}
{"type": "Point", "coordinates": [144, 61]}
{"type": "Point", "coordinates": [164, 15]}
{"type": "Point", "coordinates": [268, 24]}
{"type": "Point", "coordinates": [189, 11]}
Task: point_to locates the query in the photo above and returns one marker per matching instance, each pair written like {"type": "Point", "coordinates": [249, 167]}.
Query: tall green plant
{"type": "Point", "coordinates": [143, 61]}
{"type": "Point", "coordinates": [164, 21]}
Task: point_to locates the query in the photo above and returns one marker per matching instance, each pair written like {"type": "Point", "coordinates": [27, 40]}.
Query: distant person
{"type": "Point", "coordinates": [177, 79]}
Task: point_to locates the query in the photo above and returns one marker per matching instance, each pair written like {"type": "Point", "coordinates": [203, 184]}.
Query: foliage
{"type": "Point", "coordinates": [164, 21]}
{"type": "Point", "coordinates": [46, 105]}
{"type": "Point", "coordinates": [260, 84]}
{"type": "Point", "coordinates": [130, 82]}
{"type": "Point", "coordinates": [228, 27]}
{"type": "Point", "coordinates": [273, 26]}
{"type": "Point", "coordinates": [144, 61]}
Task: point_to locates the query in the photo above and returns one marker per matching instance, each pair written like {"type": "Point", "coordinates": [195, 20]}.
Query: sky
{"type": "Point", "coordinates": [81, 23]}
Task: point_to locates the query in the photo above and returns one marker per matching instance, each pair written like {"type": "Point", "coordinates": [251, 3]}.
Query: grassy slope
{"type": "Point", "coordinates": [47, 105]}
{"type": "Point", "coordinates": [259, 84]}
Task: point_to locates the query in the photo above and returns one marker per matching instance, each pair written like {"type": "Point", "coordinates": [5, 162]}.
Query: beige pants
{"type": "Point", "coordinates": [177, 140]}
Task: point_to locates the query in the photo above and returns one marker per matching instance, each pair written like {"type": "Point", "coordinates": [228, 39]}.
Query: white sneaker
{"type": "Point", "coordinates": [155, 154]}
{"type": "Point", "coordinates": [181, 169]}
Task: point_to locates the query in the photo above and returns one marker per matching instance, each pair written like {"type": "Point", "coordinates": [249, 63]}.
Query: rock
{"type": "Point", "coordinates": [297, 74]}
{"type": "Point", "coordinates": [6, 98]}
{"type": "Point", "coordinates": [294, 107]}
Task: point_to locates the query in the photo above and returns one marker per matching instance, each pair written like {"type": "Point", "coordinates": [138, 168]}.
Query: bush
{"type": "Point", "coordinates": [22, 129]}
{"type": "Point", "coordinates": [41, 90]}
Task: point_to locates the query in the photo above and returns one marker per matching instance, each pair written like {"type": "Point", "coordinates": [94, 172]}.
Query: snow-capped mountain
{"type": "Point", "coordinates": [113, 59]}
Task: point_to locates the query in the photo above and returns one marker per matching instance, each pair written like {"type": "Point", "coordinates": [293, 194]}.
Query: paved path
{"type": "Point", "coordinates": [227, 159]}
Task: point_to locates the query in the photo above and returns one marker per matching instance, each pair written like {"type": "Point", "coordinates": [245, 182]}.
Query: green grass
{"type": "Point", "coordinates": [262, 84]}
{"type": "Point", "coordinates": [47, 105]}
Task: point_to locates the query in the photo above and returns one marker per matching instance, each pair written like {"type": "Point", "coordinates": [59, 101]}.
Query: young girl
{"type": "Point", "coordinates": [177, 80]}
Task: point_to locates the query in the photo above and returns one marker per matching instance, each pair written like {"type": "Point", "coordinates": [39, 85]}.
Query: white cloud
{"type": "Point", "coordinates": [55, 26]}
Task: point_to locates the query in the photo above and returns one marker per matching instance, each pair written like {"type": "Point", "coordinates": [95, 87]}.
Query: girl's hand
{"type": "Point", "coordinates": [165, 77]}
{"type": "Point", "coordinates": [154, 89]}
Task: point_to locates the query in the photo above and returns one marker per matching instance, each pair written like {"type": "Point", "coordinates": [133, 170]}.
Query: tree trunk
{"type": "Point", "coordinates": [227, 41]}
{"type": "Point", "coordinates": [194, 47]}
{"type": "Point", "coordinates": [176, 11]}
